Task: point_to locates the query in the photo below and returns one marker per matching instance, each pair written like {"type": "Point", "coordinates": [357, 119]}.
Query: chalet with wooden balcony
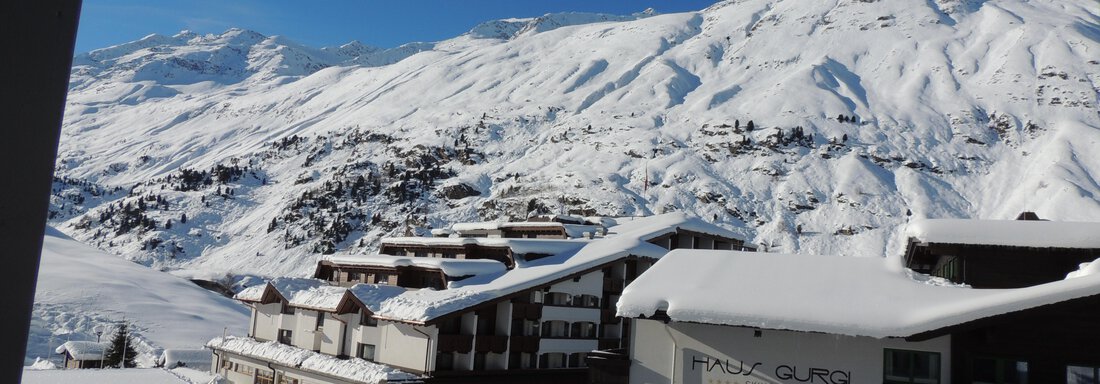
{"type": "Point", "coordinates": [1000, 253]}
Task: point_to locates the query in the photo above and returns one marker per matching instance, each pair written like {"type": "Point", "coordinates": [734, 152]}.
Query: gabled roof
{"type": "Point", "coordinates": [1015, 233]}
{"type": "Point", "coordinates": [853, 296]}
{"type": "Point", "coordinates": [82, 350]}
{"type": "Point", "coordinates": [278, 289]}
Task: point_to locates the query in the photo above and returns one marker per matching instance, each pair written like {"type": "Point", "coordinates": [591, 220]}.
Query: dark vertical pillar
{"type": "Point", "coordinates": [39, 37]}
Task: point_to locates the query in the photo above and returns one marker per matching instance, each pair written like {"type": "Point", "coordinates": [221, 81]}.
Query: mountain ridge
{"type": "Point", "coordinates": [864, 113]}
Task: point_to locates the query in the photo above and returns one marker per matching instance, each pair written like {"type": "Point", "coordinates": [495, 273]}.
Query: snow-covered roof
{"type": "Point", "coordinates": [82, 350]}
{"type": "Point", "coordinates": [356, 370]}
{"type": "Point", "coordinates": [1018, 233]}
{"type": "Point", "coordinates": [840, 295]}
{"type": "Point", "coordinates": [476, 226]}
{"type": "Point", "coordinates": [450, 267]}
{"type": "Point", "coordinates": [372, 295]}
{"type": "Point", "coordinates": [189, 357]}
{"type": "Point", "coordinates": [324, 298]}
{"type": "Point", "coordinates": [655, 226]}
{"type": "Point", "coordinates": [284, 286]}
{"type": "Point", "coordinates": [426, 304]}
{"type": "Point", "coordinates": [519, 246]}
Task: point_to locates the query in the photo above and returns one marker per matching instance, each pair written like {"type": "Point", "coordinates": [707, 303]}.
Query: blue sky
{"type": "Point", "coordinates": [379, 23]}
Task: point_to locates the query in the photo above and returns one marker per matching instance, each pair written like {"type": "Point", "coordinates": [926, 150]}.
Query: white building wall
{"type": "Point", "coordinates": [331, 334]}
{"type": "Point", "coordinates": [266, 321]}
{"type": "Point", "coordinates": [671, 353]}
{"type": "Point", "coordinates": [305, 333]}
{"type": "Point", "coordinates": [589, 284]}
{"type": "Point", "coordinates": [401, 346]}
{"type": "Point", "coordinates": [363, 334]}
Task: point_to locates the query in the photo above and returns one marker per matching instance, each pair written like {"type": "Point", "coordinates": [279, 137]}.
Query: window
{"type": "Point", "coordinates": [420, 254]}
{"type": "Point", "coordinates": [552, 360]}
{"type": "Point", "coordinates": [365, 352]}
{"type": "Point", "coordinates": [902, 366]}
{"type": "Point", "coordinates": [381, 278]}
{"type": "Point", "coordinates": [264, 377]}
{"type": "Point", "coordinates": [583, 330]}
{"type": "Point", "coordinates": [951, 269]}
{"type": "Point", "coordinates": [286, 308]}
{"type": "Point", "coordinates": [576, 360]}
{"type": "Point", "coordinates": [555, 328]}
{"type": "Point", "coordinates": [999, 371]}
{"type": "Point", "coordinates": [241, 368]}
{"type": "Point", "coordinates": [479, 361]}
{"type": "Point", "coordinates": [536, 297]}
{"type": "Point", "coordinates": [366, 319]}
{"type": "Point", "coordinates": [530, 328]}
{"type": "Point", "coordinates": [353, 277]}
{"type": "Point", "coordinates": [320, 320]}
{"type": "Point", "coordinates": [399, 253]}
{"type": "Point", "coordinates": [449, 255]}
{"type": "Point", "coordinates": [556, 298]}
{"type": "Point", "coordinates": [589, 301]}
{"type": "Point", "coordinates": [1076, 374]}
{"type": "Point", "coordinates": [287, 380]}
{"type": "Point", "coordinates": [285, 336]}
{"type": "Point", "coordinates": [444, 361]}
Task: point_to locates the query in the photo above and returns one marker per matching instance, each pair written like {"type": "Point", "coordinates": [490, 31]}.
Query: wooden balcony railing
{"type": "Point", "coordinates": [456, 343]}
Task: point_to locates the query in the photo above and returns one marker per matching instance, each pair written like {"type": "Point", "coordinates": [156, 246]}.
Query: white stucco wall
{"type": "Point", "coordinates": [266, 321]}
{"type": "Point", "coordinates": [589, 284]}
{"type": "Point", "coordinates": [401, 346]}
{"type": "Point", "coordinates": [331, 334]}
{"type": "Point", "coordinates": [681, 353]}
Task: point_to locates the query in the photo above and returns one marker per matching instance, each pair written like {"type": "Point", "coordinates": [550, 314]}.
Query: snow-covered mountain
{"type": "Point", "coordinates": [809, 126]}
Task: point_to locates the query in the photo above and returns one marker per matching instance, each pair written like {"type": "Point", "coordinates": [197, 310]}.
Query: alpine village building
{"type": "Point", "coordinates": [478, 302]}
{"type": "Point", "coordinates": [971, 301]}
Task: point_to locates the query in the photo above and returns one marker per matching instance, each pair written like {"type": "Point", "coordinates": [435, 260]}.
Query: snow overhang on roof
{"type": "Point", "coordinates": [1013, 233]}
{"type": "Point", "coordinates": [450, 267]}
{"type": "Point", "coordinates": [354, 370]}
{"type": "Point", "coordinates": [518, 246]}
{"type": "Point", "coordinates": [322, 298]}
{"type": "Point", "coordinates": [282, 288]}
{"type": "Point", "coordinates": [82, 350]}
{"type": "Point", "coordinates": [853, 296]}
{"type": "Point", "coordinates": [655, 226]}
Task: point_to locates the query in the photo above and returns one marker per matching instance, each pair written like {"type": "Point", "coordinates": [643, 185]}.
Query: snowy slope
{"type": "Point", "coordinates": [80, 287]}
{"type": "Point", "coordinates": [863, 111]}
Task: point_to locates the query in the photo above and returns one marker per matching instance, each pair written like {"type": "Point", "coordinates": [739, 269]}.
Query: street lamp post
{"type": "Point", "coordinates": [99, 329]}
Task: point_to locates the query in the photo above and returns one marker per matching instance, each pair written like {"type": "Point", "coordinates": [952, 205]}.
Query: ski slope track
{"type": "Point", "coordinates": [863, 110]}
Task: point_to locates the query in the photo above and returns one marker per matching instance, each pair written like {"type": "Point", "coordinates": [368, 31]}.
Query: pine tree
{"type": "Point", "coordinates": [183, 218]}
{"type": "Point", "coordinates": [121, 350]}
{"type": "Point", "coordinates": [751, 126]}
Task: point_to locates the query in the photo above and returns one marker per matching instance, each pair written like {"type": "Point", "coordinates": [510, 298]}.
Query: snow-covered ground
{"type": "Point", "coordinates": [863, 112]}
{"type": "Point", "coordinates": [105, 376]}
{"type": "Point", "coordinates": [80, 287]}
